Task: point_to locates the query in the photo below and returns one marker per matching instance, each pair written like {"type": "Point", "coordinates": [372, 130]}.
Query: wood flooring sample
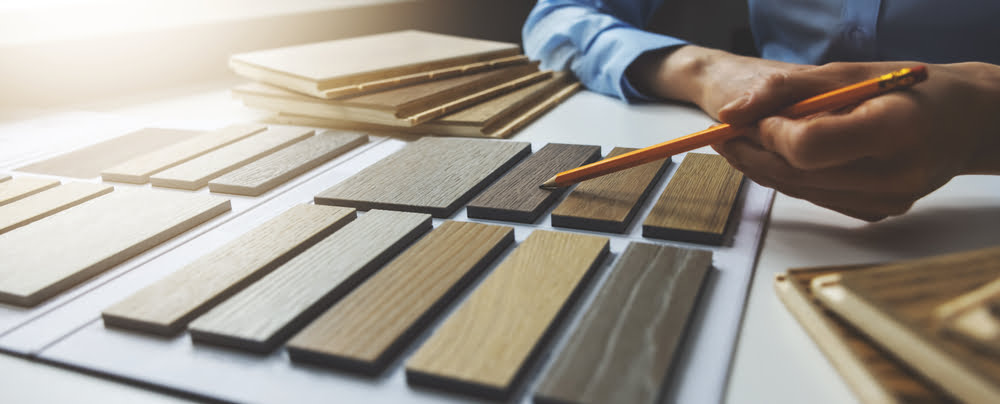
{"type": "Point", "coordinates": [698, 201]}
{"type": "Point", "coordinates": [138, 169]}
{"type": "Point", "coordinates": [93, 237]}
{"type": "Point", "coordinates": [263, 175]}
{"type": "Point", "coordinates": [516, 197]}
{"type": "Point", "coordinates": [608, 203]}
{"type": "Point", "coordinates": [23, 187]}
{"type": "Point", "coordinates": [623, 348]}
{"type": "Point", "coordinates": [431, 175]}
{"type": "Point", "coordinates": [4, 178]}
{"type": "Point", "coordinates": [279, 304]}
{"type": "Point", "coordinates": [366, 329]}
{"type": "Point", "coordinates": [45, 203]}
{"type": "Point", "coordinates": [167, 306]}
{"type": "Point", "coordinates": [485, 345]}
{"type": "Point", "coordinates": [196, 173]}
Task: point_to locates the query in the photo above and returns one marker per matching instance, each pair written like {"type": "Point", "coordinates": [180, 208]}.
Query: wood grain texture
{"type": "Point", "coordinates": [608, 203]}
{"type": "Point", "coordinates": [37, 206]}
{"type": "Point", "coordinates": [485, 345]}
{"type": "Point", "coordinates": [973, 316]}
{"type": "Point", "coordinates": [279, 304]}
{"type": "Point", "coordinates": [365, 330]}
{"type": "Point", "coordinates": [23, 187]}
{"type": "Point", "coordinates": [431, 175]}
{"type": "Point", "coordinates": [622, 349]}
{"type": "Point", "coordinates": [137, 170]}
{"type": "Point", "coordinates": [516, 197]}
{"type": "Point", "coordinates": [197, 172]}
{"type": "Point", "coordinates": [167, 306]}
{"type": "Point", "coordinates": [93, 237]}
{"type": "Point", "coordinates": [270, 171]}
{"type": "Point", "coordinates": [698, 201]}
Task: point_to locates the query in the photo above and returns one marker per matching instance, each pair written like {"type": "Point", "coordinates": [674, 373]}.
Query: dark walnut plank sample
{"type": "Point", "coordinates": [484, 346]}
{"type": "Point", "coordinates": [45, 203]}
{"type": "Point", "coordinates": [167, 306]}
{"type": "Point", "coordinates": [516, 197]}
{"type": "Point", "coordinates": [608, 203]}
{"type": "Point", "coordinates": [431, 175]}
{"type": "Point", "coordinates": [366, 330]}
{"type": "Point", "coordinates": [623, 348]}
{"type": "Point", "coordinates": [23, 187]}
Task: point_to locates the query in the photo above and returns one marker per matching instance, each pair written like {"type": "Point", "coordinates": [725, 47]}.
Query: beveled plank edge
{"type": "Point", "coordinates": [107, 189]}
{"type": "Point", "coordinates": [31, 192]}
{"type": "Point", "coordinates": [700, 237]}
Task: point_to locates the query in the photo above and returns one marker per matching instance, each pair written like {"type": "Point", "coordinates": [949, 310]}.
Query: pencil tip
{"type": "Point", "coordinates": [550, 184]}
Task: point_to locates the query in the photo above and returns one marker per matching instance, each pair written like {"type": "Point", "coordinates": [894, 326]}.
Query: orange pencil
{"type": "Point", "coordinates": [829, 101]}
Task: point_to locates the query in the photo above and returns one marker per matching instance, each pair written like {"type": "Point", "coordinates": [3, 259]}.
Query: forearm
{"type": "Point", "coordinates": [675, 74]}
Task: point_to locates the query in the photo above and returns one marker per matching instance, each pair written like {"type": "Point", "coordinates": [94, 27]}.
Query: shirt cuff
{"type": "Point", "coordinates": [625, 45]}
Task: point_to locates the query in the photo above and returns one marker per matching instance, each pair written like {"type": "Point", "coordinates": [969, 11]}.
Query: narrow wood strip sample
{"type": "Point", "coordinates": [197, 172]}
{"type": "Point", "coordinates": [973, 316]}
{"type": "Point", "coordinates": [4, 178]}
{"type": "Point", "coordinates": [262, 175]}
{"type": "Point", "coordinates": [138, 169]}
{"type": "Point", "coordinates": [623, 348]}
{"type": "Point", "coordinates": [167, 306]}
{"type": "Point", "coordinates": [431, 175]}
{"type": "Point", "coordinates": [279, 304]}
{"type": "Point", "coordinates": [59, 251]}
{"type": "Point", "coordinates": [37, 206]}
{"type": "Point", "coordinates": [608, 203]}
{"type": "Point", "coordinates": [485, 345]}
{"type": "Point", "coordinates": [698, 201]}
{"type": "Point", "coordinates": [516, 197]}
{"type": "Point", "coordinates": [23, 187]}
{"type": "Point", "coordinates": [366, 329]}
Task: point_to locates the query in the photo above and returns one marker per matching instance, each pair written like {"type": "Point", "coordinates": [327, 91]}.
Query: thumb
{"type": "Point", "coordinates": [773, 92]}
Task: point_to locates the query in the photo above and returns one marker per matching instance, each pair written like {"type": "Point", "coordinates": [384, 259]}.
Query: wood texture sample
{"type": "Point", "coordinates": [608, 203]}
{"type": "Point", "coordinates": [268, 311]}
{"type": "Point", "coordinates": [623, 348]}
{"type": "Point", "coordinates": [516, 197]}
{"type": "Point", "coordinates": [37, 206]}
{"type": "Point", "coordinates": [485, 345]}
{"type": "Point", "coordinates": [197, 172]}
{"type": "Point", "coordinates": [974, 316]}
{"type": "Point", "coordinates": [166, 307]}
{"type": "Point", "coordinates": [270, 171]}
{"type": "Point", "coordinates": [138, 169]}
{"type": "Point", "coordinates": [698, 201]}
{"type": "Point", "coordinates": [431, 175]}
{"type": "Point", "coordinates": [366, 329]}
{"type": "Point", "coordinates": [23, 187]}
{"type": "Point", "coordinates": [4, 178]}
{"type": "Point", "coordinates": [93, 237]}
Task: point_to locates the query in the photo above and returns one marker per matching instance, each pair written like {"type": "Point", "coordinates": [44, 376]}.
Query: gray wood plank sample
{"type": "Point", "coordinates": [23, 187]}
{"type": "Point", "coordinates": [622, 349]}
{"type": "Point", "coordinates": [431, 175]}
{"type": "Point", "coordinates": [271, 309]}
{"type": "Point", "coordinates": [516, 197]}
{"type": "Point", "coordinates": [45, 203]}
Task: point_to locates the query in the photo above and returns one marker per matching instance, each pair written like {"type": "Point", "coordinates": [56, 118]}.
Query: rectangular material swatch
{"type": "Point", "coordinates": [45, 203]}
{"type": "Point", "coordinates": [23, 187]}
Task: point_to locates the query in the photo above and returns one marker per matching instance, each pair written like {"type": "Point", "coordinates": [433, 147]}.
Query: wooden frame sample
{"type": "Point", "coordinates": [42, 204]}
{"type": "Point", "coordinates": [22, 187]}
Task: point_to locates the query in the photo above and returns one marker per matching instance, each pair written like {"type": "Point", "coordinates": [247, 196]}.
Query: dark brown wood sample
{"type": "Point", "coordinates": [516, 197]}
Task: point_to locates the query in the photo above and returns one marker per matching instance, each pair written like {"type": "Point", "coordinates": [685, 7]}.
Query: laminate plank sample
{"type": "Point", "coordinates": [698, 201]}
{"type": "Point", "coordinates": [23, 187]}
{"type": "Point", "coordinates": [516, 197]}
{"type": "Point", "coordinates": [485, 345]}
{"type": "Point", "coordinates": [167, 306]}
{"type": "Point", "coordinates": [37, 206]}
{"type": "Point", "coordinates": [138, 169]}
{"type": "Point", "coordinates": [93, 237]}
{"type": "Point", "coordinates": [270, 171]}
{"type": "Point", "coordinates": [268, 311]}
{"type": "Point", "coordinates": [196, 173]}
{"type": "Point", "coordinates": [4, 178]}
{"type": "Point", "coordinates": [431, 175]}
{"type": "Point", "coordinates": [973, 316]}
{"type": "Point", "coordinates": [623, 348]}
{"type": "Point", "coordinates": [366, 329]}
{"type": "Point", "coordinates": [608, 203]}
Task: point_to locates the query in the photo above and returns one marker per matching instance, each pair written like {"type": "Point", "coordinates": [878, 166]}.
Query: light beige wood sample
{"type": "Point", "coordinates": [167, 306]}
{"type": "Point", "coordinates": [269, 310]}
{"type": "Point", "coordinates": [45, 203]}
{"type": "Point", "coordinates": [93, 237]}
{"type": "Point", "coordinates": [270, 171]}
{"type": "Point", "coordinates": [484, 346]}
{"type": "Point", "coordinates": [23, 187]}
{"type": "Point", "coordinates": [973, 316]}
{"type": "Point", "coordinates": [196, 173]}
{"type": "Point", "coordinates": [138, 169]}
{"type": "Point", "coordinates": [4, 178]}
{"type": "Point", "coordinates": [366, 329]}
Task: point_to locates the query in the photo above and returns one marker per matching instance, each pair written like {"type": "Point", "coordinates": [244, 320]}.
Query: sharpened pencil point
{"type": "Point", "coordinates": [550, 184]}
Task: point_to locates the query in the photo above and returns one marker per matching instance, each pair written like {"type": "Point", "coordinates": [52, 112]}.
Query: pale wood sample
{"type": "Point", "coordinates": [431, 175]}
{"type": "Point", "coordinates": [973, 316]}
{"type": "Point", "coordinates": [4, 178]}
{"type": "Point", "coordinates": [697, 203]}
{"type": "Point", "coordinates": [42, 204]}
{"type": "Point", "coordinates": [484, 346]}
{"type": "Point", "coordinates": [196, 173]}
{"type": "Point", "coordinates": [268, 311]}
{"type": "Point", "coordinates": [270, 171]}
{"type": "Point", "coordinates": [608, 203]}
{"type": "Point", "coordinates": [516, 196]}
{"type": "Point", "coordinates": [137, 170]}
{"type": "Point", "coordinates": [365, 330]}
{"type": "Point", "coordinates": [167, 306]}
{"type": "Point", "coordinates": [62, 250]}
{"type": "Point", "coordinates": [23, 187]}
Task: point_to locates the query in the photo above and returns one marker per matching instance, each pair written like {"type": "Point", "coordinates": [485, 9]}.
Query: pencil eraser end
{"type": "Point", "coordinates": [919, 72]}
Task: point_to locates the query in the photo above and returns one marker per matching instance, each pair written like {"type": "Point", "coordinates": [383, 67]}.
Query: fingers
{"type": "Point", "coordinates": [775, 91]}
